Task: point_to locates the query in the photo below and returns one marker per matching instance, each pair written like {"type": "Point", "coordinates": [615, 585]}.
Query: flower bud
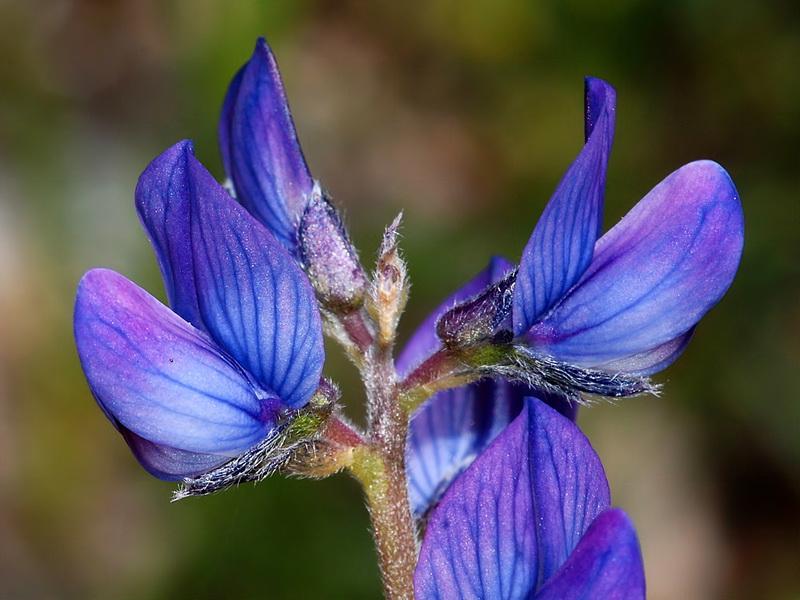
{"type": "Point", "coordinates": [390, 285]}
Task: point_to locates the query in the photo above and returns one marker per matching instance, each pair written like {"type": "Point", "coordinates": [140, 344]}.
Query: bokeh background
{"type": "Point", "coordinates": [464, 114]}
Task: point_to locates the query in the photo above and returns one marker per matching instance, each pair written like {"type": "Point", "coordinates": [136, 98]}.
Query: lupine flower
{"type": "Point", "coordinates": [269, 176]}
{"type": "Point", "coordinates": [583, 316]}
{"type": "Point", "coordinates": [221, 375]}
{"type": "Point", "coordinates": [531, 518]}
{"type": "Point", "coordinates": [626, 304]}
{"type": "Point", "coordinates": [452, 428]}
{"type": "Point", "coordinates": [599, 316]}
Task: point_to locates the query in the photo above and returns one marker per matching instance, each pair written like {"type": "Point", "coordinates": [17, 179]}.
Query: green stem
{"type": "Point", "coordinates": [395, 538]}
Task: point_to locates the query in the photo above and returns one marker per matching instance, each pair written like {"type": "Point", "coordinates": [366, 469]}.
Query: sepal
{"type": "Point", "coordinates": [484, 318]}
{"type": "Point", "coordinates": [257, 463]}
{"type": "Point", "coordinates": [328, 256]}
{"type": "Point", "coordinates": [317, 459]}
{"type": "Point", "coordinates": [569, 380]}
{"type": "Point", "coordinates": [295, 434]}
{"type": "Point", "coordinates": [425, 342]}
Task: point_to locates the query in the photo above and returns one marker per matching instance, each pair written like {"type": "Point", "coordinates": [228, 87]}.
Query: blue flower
{"type": "Point", "coordinates": [531, 518]}
{"type": "Point", "coordinates": [452, 428]}
{"type": "Point", "coordinates": [260, 150]}
{"type": "Point", "coordinates": [627, 303]}
{"type": "Point", "coordinates": [219, 375]}
{"type": "Point", "coordinates": [268, 174]}
{"type": "Point", "coordinates": [597, 316]}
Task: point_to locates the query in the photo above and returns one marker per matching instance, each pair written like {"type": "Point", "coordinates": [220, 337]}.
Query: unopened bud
{"type": "Point", "coordinates": [390, 285]}
{"type": "Point", "coordinates": [329, 257]}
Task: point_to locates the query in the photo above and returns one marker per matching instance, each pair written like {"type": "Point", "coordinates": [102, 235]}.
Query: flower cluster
{"type": "Point", "coordinates": [479, 482]}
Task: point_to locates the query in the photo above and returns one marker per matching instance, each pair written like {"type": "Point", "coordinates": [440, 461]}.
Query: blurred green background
{"type": "Point", "coordinates": [464, 115]}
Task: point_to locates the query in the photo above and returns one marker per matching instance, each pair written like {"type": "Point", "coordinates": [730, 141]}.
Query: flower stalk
{"type": "Point", "coordinates": [384, 482]}
{"type": "Point", "coordinates": [225, 384]}
{"type": "Point", "coordinates": [380, 465]}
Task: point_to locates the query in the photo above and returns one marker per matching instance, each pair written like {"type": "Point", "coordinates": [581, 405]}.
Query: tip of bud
{"type": "Point", "coordinates": [390, 285]}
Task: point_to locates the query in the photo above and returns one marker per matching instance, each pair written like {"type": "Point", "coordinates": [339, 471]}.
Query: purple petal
{"type": "Point", "coordinates": [558, 402]}
{"type": "Point", "coordinates": [513, 517]}
{"type": "Point", "coordinates": [254, 299]}
{"type": "Point", "coordinates": [481, 540]}
{"type": "Point", "coordinates": [242, 275]}
{"type": "Point", "coordinates": [569, 486]}
{"type": "Point", "coordinates": [162, 201]}
{"type": "Point", "coordinates": [424, 341]}
{"type": "Point", "coordinates": [159, 377]}
{"type": "Point", "coordinates": [451, 430]}
{"type": "Point", "coordinates": [170, 463]}
{"type": "Point", "coordinates": [605, 565]}
{"type": "Point", "coordinates": [652, 361]}
{"type": "Point", "coordinates": [260, 148]}
{"type": "Point", "coordinates": [561, 245]}
{"type": "Point", "coordinates": [653, 276]}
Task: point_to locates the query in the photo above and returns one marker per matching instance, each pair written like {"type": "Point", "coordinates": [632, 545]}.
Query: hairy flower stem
{"type": "Point", "coordinates": [392, 527]}
{"type": "Point", "coordinates": [380, 467]}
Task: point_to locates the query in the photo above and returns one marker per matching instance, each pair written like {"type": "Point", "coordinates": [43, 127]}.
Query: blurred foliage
{"type": "Point", "coordinates": [464, 115]}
